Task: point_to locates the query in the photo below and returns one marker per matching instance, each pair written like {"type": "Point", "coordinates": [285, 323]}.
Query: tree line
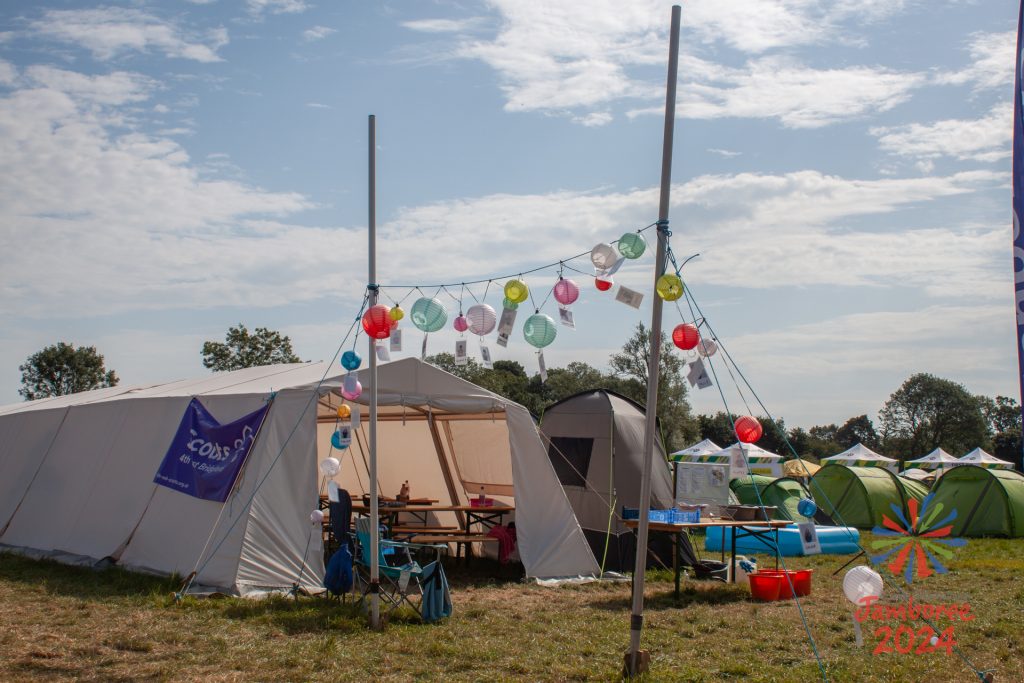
{"type": "Point", "coordinates": [926, 412]}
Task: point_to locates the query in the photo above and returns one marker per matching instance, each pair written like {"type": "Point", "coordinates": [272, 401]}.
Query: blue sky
{"type": "Point", "coordinates": [843, 169]}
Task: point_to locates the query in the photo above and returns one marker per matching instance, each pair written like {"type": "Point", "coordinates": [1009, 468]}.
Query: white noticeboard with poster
{"type": "Point", "coordinates": [702, 483]}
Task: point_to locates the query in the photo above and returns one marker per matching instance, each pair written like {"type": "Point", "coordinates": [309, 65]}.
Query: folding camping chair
{"type": "Point", "coordinates": [399, 583]}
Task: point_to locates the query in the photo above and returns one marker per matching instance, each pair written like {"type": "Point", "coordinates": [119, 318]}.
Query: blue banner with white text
{"type": "Point", "coordinates": [205, 457]}
{"type": "Point", "coordinates": [1018, 204]}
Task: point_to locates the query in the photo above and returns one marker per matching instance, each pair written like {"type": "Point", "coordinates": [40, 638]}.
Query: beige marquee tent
{"type": "Point", "coordinates": [76, 473]}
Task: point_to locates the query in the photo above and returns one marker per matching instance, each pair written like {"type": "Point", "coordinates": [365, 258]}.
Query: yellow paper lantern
{"type": "Point", "coordinates": [516, 291]}
{"type": "Point", "coordinates": [344, 412]}
{"type": "Point", "coordinates": [669, 287]}
{"type": "Point", "coordinates": [396, 313]}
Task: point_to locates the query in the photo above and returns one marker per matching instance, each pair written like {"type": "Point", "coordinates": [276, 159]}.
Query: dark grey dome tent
{"type": "Point", "coordinates": [595, 443]}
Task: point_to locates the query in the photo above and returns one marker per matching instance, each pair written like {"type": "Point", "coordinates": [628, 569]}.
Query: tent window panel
{"type": "Point", "coordinates": [570, 456]}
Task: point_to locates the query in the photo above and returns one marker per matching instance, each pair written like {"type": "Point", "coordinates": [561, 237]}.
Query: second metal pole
{"type": "Point", "coordinates": [372, 287]}
{"type": "Point", "coordinates": [634, 665]}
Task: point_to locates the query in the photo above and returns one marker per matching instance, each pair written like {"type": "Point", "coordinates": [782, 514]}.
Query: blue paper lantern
{"type": "Point", "coordinates": [350, 360]}
{"type": "Point", "coordinates": [539, 330]}
{"type": "Point", "coordinates": [806, 507]}
{"type": "Point", "coordinates": [428, 315]}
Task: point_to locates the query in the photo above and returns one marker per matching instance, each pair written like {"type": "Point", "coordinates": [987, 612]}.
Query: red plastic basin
{"type": "Point", "coordinates": [764, 586]}
{"type": "Point", "coordinates": [801, 580]}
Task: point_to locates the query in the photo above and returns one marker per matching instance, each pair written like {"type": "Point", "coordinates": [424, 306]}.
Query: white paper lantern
{"type": "Point", "coordinates": [329, 467]}
{"type": "Point", "coordinates": [707, 348]}
{"type": "Point", "coordinates": [862, 582]}
{"type": "Point", "coordinates": [481, 319]}
{"type": "Point", "coordinates": [316, 517]}
{"type": "Point", "coordinates": [604, 256]}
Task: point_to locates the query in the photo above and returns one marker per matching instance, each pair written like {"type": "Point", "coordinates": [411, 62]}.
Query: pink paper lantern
{"type": "Point", "coordinates": [566, 291]}
{"type": "Point", "coordinates": [351, 388]}
{"type": "Point", "coordinates": [460, 323]}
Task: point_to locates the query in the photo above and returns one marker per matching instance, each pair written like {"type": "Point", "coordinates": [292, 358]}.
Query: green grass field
{"type": "Point", "coordinates": [62, 622]}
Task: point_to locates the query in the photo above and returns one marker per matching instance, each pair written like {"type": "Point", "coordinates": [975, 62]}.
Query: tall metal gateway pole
{"type": "Point", "coordinates": [372, 287]}
{"type": "Point", "coordinates": [634, 664]}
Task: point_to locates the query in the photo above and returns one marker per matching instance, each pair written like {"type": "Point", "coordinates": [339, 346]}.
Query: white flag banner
{"type": "Point", "coordinates": [396, 340]}
{"type": "Point", "coordinates": [354, 418]}
{"type": "Point", "coordinates": [565, 317]}
{"type": "Point", "coordinates": [505, 325]}
{"type": "Point", "coordinates": [460, 352]}
{"type": "Point", "coordinates": [698, 376]}
{"type": "Point", "coordinates": [382, 351]}
{"type": "Point", "coordinates": [630, 297]}
{"type": "Point", "coordinates": [485, 355]}
{"type": "Point", "coordinates": [423, 351]}
{"type": "Point", "coordinates": [543, 367]}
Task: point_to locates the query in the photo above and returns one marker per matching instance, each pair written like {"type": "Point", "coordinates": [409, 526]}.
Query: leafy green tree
{"type": "Point", "coordinates": [928, 412]}
{"type": "Point", "coordinates": [243, 349]}
{"type": "Point", "coordinates": [631, 366]}
{"type": "Point", "coordinates": [856, 430]}
{"type": "Point", "coordinates": [1002, 413]}
{"type": "Point", "coordinates": [62, 369]}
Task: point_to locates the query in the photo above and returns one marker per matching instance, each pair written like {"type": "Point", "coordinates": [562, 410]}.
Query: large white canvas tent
{"type": "Point", "coordinates": [980, 458]}
{"type": "Point", "coordinates": [595, 442]}
{"type": "Point", "coordinates": [76, 474]}
{"type": "Point", "coordinates": [936, 460]}
{"type": "Point", "coordinates": [860, 455]}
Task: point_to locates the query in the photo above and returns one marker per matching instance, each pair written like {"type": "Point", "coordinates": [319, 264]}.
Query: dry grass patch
{"type": "Point", "coordinates": [67, 623]}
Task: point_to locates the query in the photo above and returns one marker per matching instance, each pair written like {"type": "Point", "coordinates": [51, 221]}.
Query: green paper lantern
{"type": "Point", "coordinates": [428, 314]}
{"type": "Point", "coordinates": [632, 245]}
{"type": "Point", "coordinates": [539, 330]}
{"type": "Point", "coordinates": [669, 287]}
{"type": "Point", "coordinates": [516, 291]}
{"type": "Point", "coordinates": [506, 303]}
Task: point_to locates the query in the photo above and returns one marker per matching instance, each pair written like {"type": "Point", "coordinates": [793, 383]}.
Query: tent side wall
{"type": "Point", "coordinates": [281, 546]}
{"type": "Point", "coordinates": [25, 439]}
{"type": "Point", "coordinates": [175, 528]}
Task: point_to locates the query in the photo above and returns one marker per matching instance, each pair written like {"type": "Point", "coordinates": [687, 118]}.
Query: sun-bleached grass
{"type": "Point", "coordinates": [69, 623]}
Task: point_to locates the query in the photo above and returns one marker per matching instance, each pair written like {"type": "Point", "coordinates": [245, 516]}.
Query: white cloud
{"type": "Point", "coordinates": [443, 25]}
{"type": "Point", "coordinates": [109, 31]}
{"type": "Point", "coordinates": [993, 62]}
{"type": "Point", "coordinates": [594, 119]}
{"type": "Point", "coordinates": [797, 95]}
{"type": "Point", "coordinates": [724, 152]}
{"type": "Point", "coordinates": [317, 33]}
{"type": "Point", "coordinates": [317, 105]}
{"type": "Point", "coordinates": [544, 66]}
{"type": "Point", "coordinates": [259, 7]}
{"type": "Point", "coordinates": [986, 139]}
{"type": "Point", "coordinates": [101, 221]}
{"type": "Point", "coordinates": [8, 73]}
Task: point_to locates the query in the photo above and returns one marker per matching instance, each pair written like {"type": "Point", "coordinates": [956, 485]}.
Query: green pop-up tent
{"type": "Point", "coordinates": [988, 502]}
{"type": "Point", "coordinates": [859, 496]}
{"type": "Point", "coordinates": [784, 493]}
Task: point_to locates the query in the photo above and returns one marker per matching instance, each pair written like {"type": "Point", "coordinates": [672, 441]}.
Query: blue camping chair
{"type": "Point", "coordinates": [400, 575]}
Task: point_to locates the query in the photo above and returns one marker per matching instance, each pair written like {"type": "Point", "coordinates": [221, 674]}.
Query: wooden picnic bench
{"type": "Point", "coordinates": [459, 538]}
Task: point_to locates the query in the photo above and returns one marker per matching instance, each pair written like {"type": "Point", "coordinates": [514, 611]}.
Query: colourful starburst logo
{"type": "Point", "coordinates": [913, 545]}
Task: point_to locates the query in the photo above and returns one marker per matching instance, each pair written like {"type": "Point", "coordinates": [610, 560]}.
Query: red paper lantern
{"type": "Point", "coordinates": [686, 336]}
{"type": "Point", "coordinates": [377, 322]}
{"type": "Point", "coordinates": [603, 284]}
{"type": "Point", "coordinates": [748, 429]}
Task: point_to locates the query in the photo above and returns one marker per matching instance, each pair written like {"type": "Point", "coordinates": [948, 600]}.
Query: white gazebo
{"type": "Point", "coordinates": [860, 455]}
{"type": "Point", "coordinates": [697, 451]}
{"type": "Point", "coordinates": [980, 458]}
{"type": "Point", "coordinates": [744, 458]}
{"type": "Point", "coordinates": [936, 460]}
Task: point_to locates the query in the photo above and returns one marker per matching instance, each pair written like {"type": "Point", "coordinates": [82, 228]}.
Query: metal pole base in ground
{"type": "Point", "coordinates": [636, 664]}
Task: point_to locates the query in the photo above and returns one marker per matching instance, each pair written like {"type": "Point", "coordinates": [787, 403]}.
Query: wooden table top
{"type": "Point", "coordinates": [666, 526]}
{"type": "Point", "coordinates": [383, 509]}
